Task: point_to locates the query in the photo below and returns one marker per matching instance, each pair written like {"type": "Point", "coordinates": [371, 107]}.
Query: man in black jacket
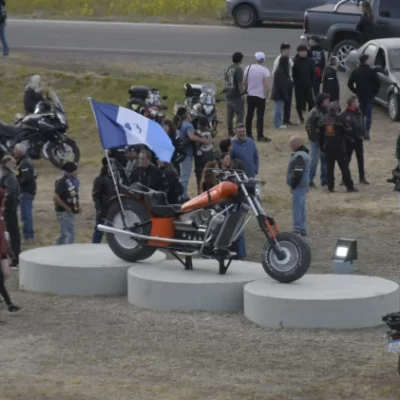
{"type": "Point", "coordinates": [353, 123]}
{"type": "Point", "coordinates": [364, 82]}
{"type": "Point", "coordinates": [303, 74]}
{"type": "Point", "coordinates": [317, 54]}
{"type": "Point", "coordinates": [9, 182]}
{"type": "Point", "coordinates": [146, 173]}
{"type": "Point", "coordinates": [330, 81]}
{"type": "Point", "coordinates": [26, 175]}
{"type": "Point", "coordinates": [103, 190]}
{"type": "Point", "coordinates": [313, 128]}
{"type": "Point", "coordinates": [332, 142]}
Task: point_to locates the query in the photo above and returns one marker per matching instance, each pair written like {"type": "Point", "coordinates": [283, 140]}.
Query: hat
{"type": "Point", "coordinates": [70, 167]}
{"type": "Point", "coordinates": [260, 56]}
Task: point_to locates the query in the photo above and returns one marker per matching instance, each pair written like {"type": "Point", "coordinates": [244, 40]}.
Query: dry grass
{"type": "Point", "coordinates": [97, 349]}
{"type": "Point", "coordinates": [129, 10]}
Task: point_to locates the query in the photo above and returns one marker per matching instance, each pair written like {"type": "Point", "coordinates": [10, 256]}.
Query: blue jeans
{"type": "Point", "coordinates": [186, 170]}
{"type": "Point", "coordinates": [299, 209]}
{"type": "Point", "coordinates": [97, 235]}
{"type": "Point", "coordinates": [241, 247]}
{"type": "Point", "coordinates": [67, 228]}
{"type": "Point", "coordinates": [278, 113]}
{"type": "Point", "coordinates": [366, 109]}
{"type": "Point", "coordinates": [3, 39]}
{"type": "Point", "coordinates": [26, 205]}
{"type": "Point", "coordinates": [316, 156]}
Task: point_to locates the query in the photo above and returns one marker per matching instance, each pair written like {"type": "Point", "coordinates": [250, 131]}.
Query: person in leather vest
{"type": "Point", "coordinates": [103, 190]}
{"type": "Point", "coordinates": [355, 132]}
{"type": "Point", "coordinates": [26, 175]}
{"type": "Point", "coordinates": [297, 178]}
{"type": "Point", "coordinates": [9, 182]}
{"type": "Point", "coordinates": [66, 201]}
{"type": "Point", "coordinates": [146, 173]}
{"type": "Point", "coordinates": [332, 142]}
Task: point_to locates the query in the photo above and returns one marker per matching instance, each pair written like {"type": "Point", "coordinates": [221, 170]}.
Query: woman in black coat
{"type": "Point", "coordinates": [281, 90]}
{"type": "Point", "coordinates": [366, 24]}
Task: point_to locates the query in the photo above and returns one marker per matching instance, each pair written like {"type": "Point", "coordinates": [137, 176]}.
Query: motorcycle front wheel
{"type": "Point", "coordinates": [294, 262]}
{"type": "Point", "coordinates": [61, 153]}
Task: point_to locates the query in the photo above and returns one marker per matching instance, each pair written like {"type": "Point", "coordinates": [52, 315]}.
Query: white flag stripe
{"type": "Point", "coordinates": [135, 126]}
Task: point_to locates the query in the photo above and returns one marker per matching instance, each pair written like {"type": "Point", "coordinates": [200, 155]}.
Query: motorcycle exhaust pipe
{"type": "Point", "coordinates": [116, 231]}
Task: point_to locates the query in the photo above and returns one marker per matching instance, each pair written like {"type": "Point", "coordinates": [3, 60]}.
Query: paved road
{"type": "Point", "coordinates": [145, 39]}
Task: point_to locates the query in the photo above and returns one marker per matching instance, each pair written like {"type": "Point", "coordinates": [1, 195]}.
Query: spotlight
{"type": "Point", "coordinates": [344, 254]}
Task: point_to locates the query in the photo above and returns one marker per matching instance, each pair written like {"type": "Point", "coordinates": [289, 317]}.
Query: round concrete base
{"type": "Point", "coordinates": [167, 286]}
{"type": "Point", "coordinates": [321, 301]}
{"type": "Point", "coordinates": [76, 270]}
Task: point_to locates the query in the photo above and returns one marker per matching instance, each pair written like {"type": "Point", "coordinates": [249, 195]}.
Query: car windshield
{"type": "Point", "coordinates": [394, 59]}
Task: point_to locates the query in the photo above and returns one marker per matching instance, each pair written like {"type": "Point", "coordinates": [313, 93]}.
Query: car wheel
{"type": "Point", "coordinates": [394, 109]}
{"type": "Point", "coordinates": [245, 16]}
{"type": "Point", "coordinates": [342, 50]}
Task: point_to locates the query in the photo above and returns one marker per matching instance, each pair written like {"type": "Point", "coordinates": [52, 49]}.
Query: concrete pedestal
{"type": "Point", "coordinates": [76, 270]}
{"type": "Point", "coordinates": [167, 286]}
{"type": "Point", "coordinates": [321, 301]}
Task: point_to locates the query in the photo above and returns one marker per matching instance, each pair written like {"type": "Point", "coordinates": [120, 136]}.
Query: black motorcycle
{"type": "Point", "coordinates": [148, 102]}
{"type": "Point", "coordinates": [43, 132]}
{"type": "Point", "coordinates": [393, 322]}
{"type": "Point", "coordinates": [201, 101]}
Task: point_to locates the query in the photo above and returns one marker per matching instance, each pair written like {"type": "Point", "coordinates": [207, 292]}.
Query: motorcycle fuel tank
{"type": "Point", "coordinates": [215, 195]}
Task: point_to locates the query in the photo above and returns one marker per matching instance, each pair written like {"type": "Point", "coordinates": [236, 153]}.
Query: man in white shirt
{"type": "Point", "coordinates": [256, 78]}
{"type": "Point", "coordinates": [285, 51]}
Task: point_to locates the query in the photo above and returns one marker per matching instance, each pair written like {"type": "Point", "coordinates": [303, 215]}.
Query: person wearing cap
{"type": "Point", "coordinates": [9, 182]}
{"type": "Point", "coordinates": [330, 81]}
{"type": "Point", "coordinates": [332, 143]}
{"type": "Point", "coordinates": [317, 54]}
{"type": "Point", "coordinates": [285, 51]}
{"type": "Point", "coordinates": [256, 78]}
{"type": "Point", "coordinates": [189, 138]}
{"type": "Point", "coordinates": [297, 178]}
{"type": "Point", "coordinates": [66, 201]}
{"type": "Point", "coordinates": [304, 79]}
{"type": "Point", "coordinates": [234, 92]}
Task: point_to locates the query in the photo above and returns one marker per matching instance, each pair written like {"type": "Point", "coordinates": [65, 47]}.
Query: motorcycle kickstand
{"type": "Point", "coordinates": [222, 267]}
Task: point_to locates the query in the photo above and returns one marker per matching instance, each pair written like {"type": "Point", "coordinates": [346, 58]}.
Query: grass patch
{"type": "Point", "coordinates": [73, 90]}
{"type": "Point", "coordinates": [126, 9]}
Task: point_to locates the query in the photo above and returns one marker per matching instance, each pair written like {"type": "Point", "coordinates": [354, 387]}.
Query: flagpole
{"type": "Point", "coordinates": [111, 172]}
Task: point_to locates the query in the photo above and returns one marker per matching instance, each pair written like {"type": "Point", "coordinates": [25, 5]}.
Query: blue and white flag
{"type": "Point", "coordinates": [119, 126]}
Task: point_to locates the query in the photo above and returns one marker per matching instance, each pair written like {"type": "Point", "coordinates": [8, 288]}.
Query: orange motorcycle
{"type": "Point", "coordinates": [140, 221]}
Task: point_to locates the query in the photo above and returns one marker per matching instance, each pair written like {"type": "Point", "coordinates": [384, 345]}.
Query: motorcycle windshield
{"type": "Point", "coordinates": [56, 102]}
{"type": "Point", "coordinates": [209, 93]}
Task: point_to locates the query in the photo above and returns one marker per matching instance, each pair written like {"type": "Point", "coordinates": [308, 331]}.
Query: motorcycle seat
{"type": "Point", "coordinates": [158, 205]}
{"type": "Point", "coordinates": [9, 130]}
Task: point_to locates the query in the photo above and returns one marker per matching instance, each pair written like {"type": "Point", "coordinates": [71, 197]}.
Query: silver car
{"type": "Point", "coordinates": [248, 13]}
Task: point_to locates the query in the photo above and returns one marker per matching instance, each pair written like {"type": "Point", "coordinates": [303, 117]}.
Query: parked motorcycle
{"type": "Point", "coordinates": [147, 102]}
{"type": "Point", "coordinates": [140, 221]}
{"type": "Point", "coordinates": [201, 101]}
{"type": "Point", "coordinates": [393, 322]}
{"type": "Point", "coordinates": [43, 132]}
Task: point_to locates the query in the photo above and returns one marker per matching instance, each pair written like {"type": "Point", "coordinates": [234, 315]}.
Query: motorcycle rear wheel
{"type": "Point", "coordinates": [59, 154]}
{"type": "Point", "coordinates": [296, 261]}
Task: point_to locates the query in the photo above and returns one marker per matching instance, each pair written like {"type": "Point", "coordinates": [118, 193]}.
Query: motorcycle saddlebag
{"type": "Point", "coordinates": [139, 92]}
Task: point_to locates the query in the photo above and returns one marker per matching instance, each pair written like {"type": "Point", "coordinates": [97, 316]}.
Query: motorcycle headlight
{"type": "Point", "coordinates": [208, 109]}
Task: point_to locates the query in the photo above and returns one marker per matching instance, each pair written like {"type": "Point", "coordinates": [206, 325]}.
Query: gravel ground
{"type": "Point", "coordinates": [103, 348]}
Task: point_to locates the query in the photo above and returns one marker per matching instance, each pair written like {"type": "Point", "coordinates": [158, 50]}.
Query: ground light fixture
{"type": "Point", "coordinates": [344, 254]}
